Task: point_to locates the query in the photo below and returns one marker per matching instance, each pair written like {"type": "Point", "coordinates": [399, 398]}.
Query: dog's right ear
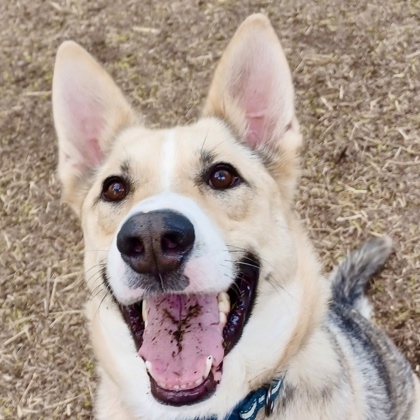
{"type": "Point", "coordinates": [252, 91]}
{"type": "Point", "coordinates": [89, 110]}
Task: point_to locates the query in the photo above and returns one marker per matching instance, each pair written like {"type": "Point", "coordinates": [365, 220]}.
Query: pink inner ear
{"type": "Point", "coordinates": [258, 102]}
{"type": "Point", "coordinates": [96, 156]}
{"type": "Point", "coordinates": [87, 126]}
{"type": "Point", "coordinates": [90, 129]}
{"type": "Point", "coordinates": [256, 127]}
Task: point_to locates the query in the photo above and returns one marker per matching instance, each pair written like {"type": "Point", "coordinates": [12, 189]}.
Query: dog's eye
{"type": "Point", "coordinates": [114, 189]}
{"type": "Point", "coordinates": [223, 176]}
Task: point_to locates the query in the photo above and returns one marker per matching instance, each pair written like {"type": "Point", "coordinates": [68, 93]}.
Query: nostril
{"type": "Point", "coordinates": [135, 247]}
{"type": "Point", "coordinates": [171, 242]}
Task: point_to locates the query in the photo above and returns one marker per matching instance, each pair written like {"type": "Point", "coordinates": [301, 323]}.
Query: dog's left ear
{"type": "Point", "coordinates": [252, 91]}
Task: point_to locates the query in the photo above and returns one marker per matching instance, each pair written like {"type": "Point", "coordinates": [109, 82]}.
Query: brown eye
{"type": "Point", "coordinates": [223, 176]}
{"type": "Point", "coordinates": [114, 189]}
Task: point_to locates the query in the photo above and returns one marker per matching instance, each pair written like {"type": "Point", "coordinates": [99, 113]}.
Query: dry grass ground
{"type": "Point", "coordinates": [356, 66]}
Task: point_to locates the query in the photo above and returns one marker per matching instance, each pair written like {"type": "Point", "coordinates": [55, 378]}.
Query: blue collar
{"type": "Point", "coordinates": [248, 408]}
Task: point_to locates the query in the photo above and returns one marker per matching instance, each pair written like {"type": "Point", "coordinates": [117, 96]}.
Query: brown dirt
{"type": "Point", "coordinates": [356, 67]}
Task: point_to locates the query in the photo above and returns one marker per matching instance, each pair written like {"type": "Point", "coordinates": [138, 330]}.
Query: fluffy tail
{"type": "Point", "coordinates": [351, 276]}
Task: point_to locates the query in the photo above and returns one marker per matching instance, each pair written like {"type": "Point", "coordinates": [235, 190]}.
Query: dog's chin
{"type": "Point", "coordinates": [193, 352]}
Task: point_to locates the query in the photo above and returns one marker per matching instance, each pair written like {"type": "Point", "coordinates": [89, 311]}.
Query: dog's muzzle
{"type": "Point", "coordinates": [182, 336]}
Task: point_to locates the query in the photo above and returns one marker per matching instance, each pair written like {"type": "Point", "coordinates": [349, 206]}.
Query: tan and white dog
{"type": "Point", "coordinates": [207, 298]}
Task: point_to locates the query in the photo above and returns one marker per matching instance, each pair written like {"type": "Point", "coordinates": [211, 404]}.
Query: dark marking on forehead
{"type": "Point", "coordinates": [260, 154]}
{"type": "Point", "coordinates": [125, 168]}
{"type": "Point", "coordinates": [221, 114]}
{"type": "Point", "coordinates": [207, 157]}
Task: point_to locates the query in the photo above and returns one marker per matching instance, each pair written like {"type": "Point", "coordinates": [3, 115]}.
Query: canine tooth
{"type": "Point", "coordinates": [148, 366]}
{"type": "Point", "coordinates": [199, 381]}
{"type": "Point", "coordinates": [144, 311]}
{"type": "Point", "coordinates": [224, 302]}
{"type": "Point", "coordinates": [223, 318]}
{"type": "Point", "coordinates": [223, 296]}
{"type": "Point", "coordinates": [209, 363]}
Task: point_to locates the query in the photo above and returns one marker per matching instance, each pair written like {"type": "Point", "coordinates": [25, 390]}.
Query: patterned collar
{"type": "Point", "coordinates": [248, 408]}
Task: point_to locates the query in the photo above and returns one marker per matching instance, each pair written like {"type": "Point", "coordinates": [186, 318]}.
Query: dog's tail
{"type": "Point", "coordinates": [351, 276]}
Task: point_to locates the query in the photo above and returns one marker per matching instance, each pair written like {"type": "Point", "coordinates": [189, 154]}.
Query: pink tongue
{"type": "Point", "coordinates": [182, 332]}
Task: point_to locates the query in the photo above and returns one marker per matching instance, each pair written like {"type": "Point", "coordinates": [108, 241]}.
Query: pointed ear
{"type": "Point", "coordinates": [89, 110]}
{"type": "Point", "coordinates": [252, 88]}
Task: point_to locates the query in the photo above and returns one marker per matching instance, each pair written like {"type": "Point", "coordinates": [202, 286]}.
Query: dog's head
{"type": "Point", "coordinates": [188, 231]}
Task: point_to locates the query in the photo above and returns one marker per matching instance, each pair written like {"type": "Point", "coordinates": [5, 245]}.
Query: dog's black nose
{"type": "Point", "coordinates": [155, 242]}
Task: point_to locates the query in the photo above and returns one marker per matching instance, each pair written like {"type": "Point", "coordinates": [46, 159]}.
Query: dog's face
{"type": "Point", "coordinates": [188, 231]}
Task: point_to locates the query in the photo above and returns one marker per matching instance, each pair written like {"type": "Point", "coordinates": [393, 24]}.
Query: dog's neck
{"type": "Point", "coordinates": [261, 400]}
{"type": "Point", "coordinates": [311, 376]}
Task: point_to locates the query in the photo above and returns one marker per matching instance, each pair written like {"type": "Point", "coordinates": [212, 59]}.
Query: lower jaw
{"type": "Point", "coordinates": [184, 397]}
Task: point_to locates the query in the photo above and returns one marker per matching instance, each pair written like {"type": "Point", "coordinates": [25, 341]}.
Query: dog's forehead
{"type": "Point", "coordinates": [165, 150]}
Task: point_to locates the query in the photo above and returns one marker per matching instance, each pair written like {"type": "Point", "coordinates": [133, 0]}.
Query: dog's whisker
{"type": "Point", "coordinates": [100, 265]}
{"type": "Point", "coordinates": [93, 279]}
{"type": "Point", "coordinates": [91, 268]}
{"type": "Point", "coordinates": [98, 289]}
{"type": "Point", "coordinates": [247, 264]}
{"type": "Point", "coordinates": [204, 142]}
{"type": "Point", "coordinates": [100, 304]}
{"type": "Point", "coordinates": [244, 251]}
{"type": "Point", "coordinates": [97, 250]}
{"type": "Point", "coordinates": [278, 288]}
{"type": "Point", "coordinates": [94, 276]}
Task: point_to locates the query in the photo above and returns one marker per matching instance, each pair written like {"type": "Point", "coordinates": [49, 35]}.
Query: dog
{"type": "Point", "coordinates": [208, 300]}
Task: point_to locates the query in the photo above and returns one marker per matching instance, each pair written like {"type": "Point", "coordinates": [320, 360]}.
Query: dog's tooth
{"type": "Point", "coordinates": [144, 311]}
{"type": "Point", "coordinates": [199, 381]}
{"type": "Point", "coordinates": [148, 366]}
{"type": "Point", "coordinates": [176, 387]}
{"type": "Point", "coordinates": [224, 302]}
{"type": "Point", "coordinates": [222, 318]}
{"type": "Point", "coordinates": [162, 385]}
{"type": "Point", "coordinates": [223, 307]}
{"type": "Point", "coordinates": [183, 386]}
{"type": "Point", "coordinates": [209, 363]}
{"type": "Point", "coordinates": [223, 296]}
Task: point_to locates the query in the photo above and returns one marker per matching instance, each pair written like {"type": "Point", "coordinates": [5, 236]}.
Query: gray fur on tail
{"type": "Point", "coordinates": [351, 276]}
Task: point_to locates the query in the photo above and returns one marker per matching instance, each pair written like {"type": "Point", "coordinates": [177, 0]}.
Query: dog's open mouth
{"type": "Point", "coordinates": [183, 339]}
